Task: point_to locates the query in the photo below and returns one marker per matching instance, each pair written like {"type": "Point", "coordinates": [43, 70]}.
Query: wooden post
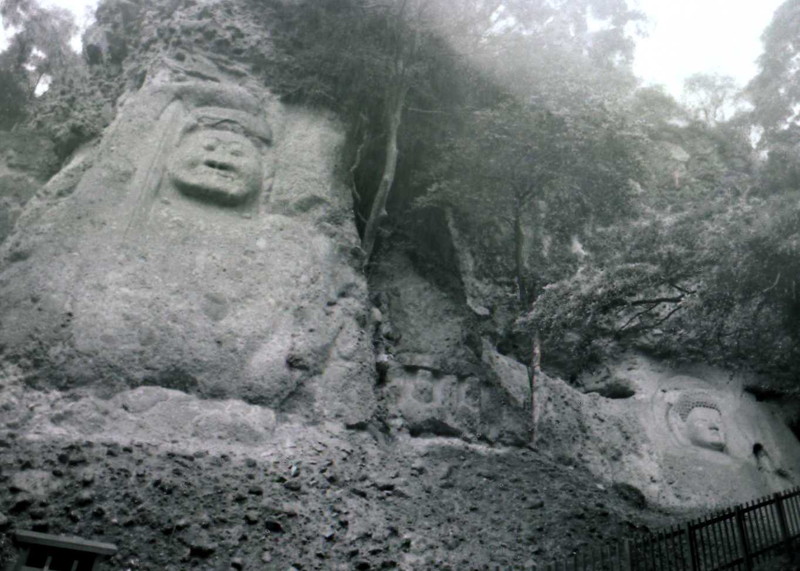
{"type": "Point", "coordinates": [784, 525]}
{"type": "Point", "coordinates": [22, 559]}
{"type": "Point", "coordinates": [741, 529]}
{"type": "Point", "coordinates": [690, 541]}
{"type": "Point", "coordinates": [627, 556]}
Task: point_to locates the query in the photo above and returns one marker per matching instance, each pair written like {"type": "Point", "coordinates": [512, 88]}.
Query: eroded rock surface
{"type": "Point", "coordinates": [166, 264]}
{"type": "Point", "coordinates": [685, 437]}
{"type": "Point", "coordinates": [185, 334]}
{"type": "Point", "coordinates": [305, 497]}
{"type": "Point", "coordinates": [441, 377]}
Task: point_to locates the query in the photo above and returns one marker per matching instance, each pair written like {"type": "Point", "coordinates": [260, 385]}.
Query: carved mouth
{"type": "Point", "coordinates": [224, 169]}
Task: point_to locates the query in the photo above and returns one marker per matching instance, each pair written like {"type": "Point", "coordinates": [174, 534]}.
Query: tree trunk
{"type": "Point", "coordinates": [519, 257]}
{"type": "Point", "coordinates": [32, 92]}
{"type": "Point", "coordinates": [378, 210]}
{"type": "Point", "coordinates": [534, 372]}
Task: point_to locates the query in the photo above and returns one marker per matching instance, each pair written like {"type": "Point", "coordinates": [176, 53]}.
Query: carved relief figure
{"type": "Point", "coordinates": [696, 419]}
{"type": "Point", "coordinates": [167, 266]}
{"type": "Point", "coordinates": [219, 156]}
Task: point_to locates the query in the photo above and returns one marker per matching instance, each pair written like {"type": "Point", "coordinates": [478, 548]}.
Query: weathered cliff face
{"type": "Point", "coordinates": [205, 248]}
{"type": "Point", "coordinates": [705, 439]}
{"type": "Point", "coordinates": [184, 316]}
{"type": "Point", "coordinates": [684, 436]}
{"type": "Point", "coordinates": [441, 376]}
{"type": "Point", "coordinates": [205, 243]}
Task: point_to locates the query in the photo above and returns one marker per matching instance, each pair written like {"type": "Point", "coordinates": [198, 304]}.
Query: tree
{"type": "Point", "coordinates": [12, 99]}
{"type": "Point", "coordinates": [38, 51]}
{"type": "Point", "coordinates": [775, 95]}
{"type": "Point", "coordinates": [400, 75]}
{"type": "Point", "coordinates": [710, 96]}
{"type": "Point", "coordinates": [712, 278]}
{"type": "Point", "coordinates": [531, 185]}
{"type": "Point", "coordinates": [656, 110]}
{"type": "Point", "coordinates": [775, 91]}
{"type": "Point", "coordinates": [367, 61]}
{"type": "Point", "coordinates": [493, 172]}
{"type": "Point", "coordinates": [567, 23]}
{"type": "Point", "coordinates": [411, 48]}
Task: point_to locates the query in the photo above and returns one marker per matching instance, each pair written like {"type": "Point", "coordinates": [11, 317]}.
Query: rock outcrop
{"type": "Point", "coordinates": [191, 357]}
{"type": "Point", "coordinates": [203, 247]}
{"type": "Point", "coordinates": [441, 377]}
{"type": "Point", "coordinates": [685, 437]}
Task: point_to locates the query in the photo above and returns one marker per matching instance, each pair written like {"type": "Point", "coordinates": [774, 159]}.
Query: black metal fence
{"type": "Point", "coordinates": [742, 537]}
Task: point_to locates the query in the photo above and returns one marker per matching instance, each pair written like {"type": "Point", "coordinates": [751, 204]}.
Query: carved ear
{"type": "Point", "coordinates": [676, 425]}
{"type": "Point", "coordinates": [267, 179]}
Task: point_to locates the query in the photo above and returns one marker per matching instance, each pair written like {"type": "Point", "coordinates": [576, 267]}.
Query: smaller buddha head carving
{"type": "Point", "coordinates": [219, 158]}
{"type": "Point", "coordinates": [699, 418]}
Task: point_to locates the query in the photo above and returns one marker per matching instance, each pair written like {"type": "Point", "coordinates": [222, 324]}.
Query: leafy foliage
{"type": "Point", "coordinates": [39, 49]}
{"type": "Point", "coordinates": [39, 55]}
{"type": "Point", "coordinates": [714, 282]}
{"type": "Point", "coordinates": [775, 95]}
{"type": "Point", "coordinates": [453, 91]}
{"type": "Point", "coordinates": [370, 62]}
{"type": "Point", "coordinates": [710, 96]}
{"type": "Point", "coordinates": [534, 180]}
{"type": "Point", "coordinates": [606, 215]}
{"type": "Point", "coordinates": [775, 91]}
{"type": "Point", "coordinates": [12, 99]}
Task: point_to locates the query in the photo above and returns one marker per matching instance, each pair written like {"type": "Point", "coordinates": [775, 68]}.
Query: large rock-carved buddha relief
{"type": "Point", "coordinates": [696, 420]}
{"type": "Point", "coordinates": [165, 264]}
{"type": "Point", "coordinates": [709, 439]}
{"type": "Point", "coordinates": [689, 416]}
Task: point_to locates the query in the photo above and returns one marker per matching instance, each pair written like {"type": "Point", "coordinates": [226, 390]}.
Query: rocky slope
{"type": "Point", "coordinates": [321, 499]}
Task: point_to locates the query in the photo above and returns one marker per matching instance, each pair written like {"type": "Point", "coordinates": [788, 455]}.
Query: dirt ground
{"type": "Point", "coordinates": [354, 500]}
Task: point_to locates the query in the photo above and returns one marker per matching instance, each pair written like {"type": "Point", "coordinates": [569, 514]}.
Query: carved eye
{"type": "Point", "coordinates": [210, 146]}
{"type": "Point", "coordinates": [235, 149]}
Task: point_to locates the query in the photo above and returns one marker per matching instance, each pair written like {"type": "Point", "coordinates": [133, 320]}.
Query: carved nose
{"type": "Point", "coordinates": [230, 150]}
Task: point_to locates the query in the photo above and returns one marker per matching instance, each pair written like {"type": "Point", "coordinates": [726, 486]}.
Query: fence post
{"type": "Point", "coordinates": [627, 555]}
{"type": "Point", "coordinates": [742, 533]}
{"type": "Point", "coordinates": [778, 498]}
{"type": "Point", "coordinates": [687, 529]}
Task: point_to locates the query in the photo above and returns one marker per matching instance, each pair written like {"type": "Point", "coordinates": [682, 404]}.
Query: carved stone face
{"type": "Point", "coordinates": [217, 166]}
{"type": "Point", "coordinates": [704, 428]}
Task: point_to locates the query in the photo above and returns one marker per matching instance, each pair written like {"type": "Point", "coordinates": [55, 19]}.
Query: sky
{"type": "Point", "coordinates": [708, 36]}
{"type": "Point", "coordinates": [683, 37]}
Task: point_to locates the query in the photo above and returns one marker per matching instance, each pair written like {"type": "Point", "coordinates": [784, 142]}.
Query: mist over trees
{"type": "Point", "coordinates": [601, 215]}
{"type": "Point", "coordinates": [38, 51]}
{"type": "Point", "coordinates": [607, 215]}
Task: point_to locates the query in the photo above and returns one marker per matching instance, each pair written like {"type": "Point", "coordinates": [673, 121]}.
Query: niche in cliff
{"type": "Point", "coordinates": [794, 426]}
{"type": "Point", "coordinates": [608, 385]}
{"type": "Point", "coordinates": [764, 394]}
{"type": "Point", "coordinates": [430, 248]}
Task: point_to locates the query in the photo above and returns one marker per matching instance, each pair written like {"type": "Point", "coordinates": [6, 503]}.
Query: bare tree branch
{"type": "Point", "coordinates": [657, 300]}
